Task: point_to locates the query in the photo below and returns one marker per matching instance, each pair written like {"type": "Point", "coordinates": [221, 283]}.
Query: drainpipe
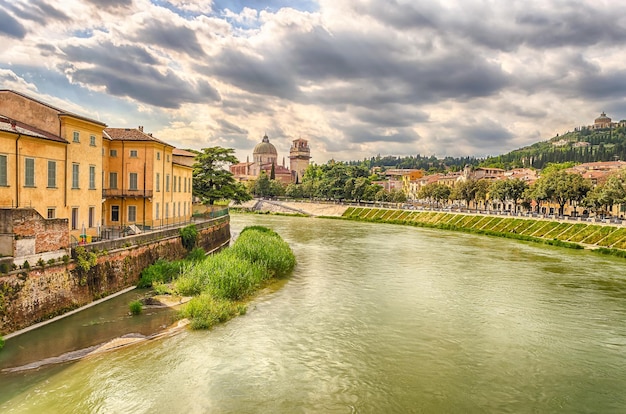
{"type": "Point", "coordinates": [17, 171]}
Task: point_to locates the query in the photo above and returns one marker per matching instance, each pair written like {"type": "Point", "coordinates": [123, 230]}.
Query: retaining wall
{"type": "Point", "coordinates": [37, 294]}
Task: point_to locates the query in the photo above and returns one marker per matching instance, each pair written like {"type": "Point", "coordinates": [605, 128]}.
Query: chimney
{"type": "Point", "coordinates": [141, 128]}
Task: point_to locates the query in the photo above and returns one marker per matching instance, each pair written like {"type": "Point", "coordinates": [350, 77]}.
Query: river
{"type": "Point", "coordinates": [376, 318]}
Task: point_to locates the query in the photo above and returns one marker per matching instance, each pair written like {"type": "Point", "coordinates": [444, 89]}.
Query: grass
{"type": "Point", "coordinates": [221, 283]}
{"type": "Point", "coordinates": [135, 307]}
{"type": "Point", "coordinates": [554, 233]}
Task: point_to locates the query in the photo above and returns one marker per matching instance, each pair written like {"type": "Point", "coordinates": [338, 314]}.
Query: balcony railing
{"type": "Point", "coordinates": [125, 193]}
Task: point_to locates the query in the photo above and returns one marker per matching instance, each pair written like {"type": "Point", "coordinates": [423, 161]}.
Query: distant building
{"type": "Point", "coordinates": [265, 158]}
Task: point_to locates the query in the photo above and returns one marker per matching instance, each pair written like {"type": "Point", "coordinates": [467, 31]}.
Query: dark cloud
{"type": "Point", "coordinates": [390, 116]}
{"type": "Point", "coordinates": [483, 135]}
{"type": "Point", "coordinates": [10, 26]}
{"type": "Point", "coordinates": [265, 76]}
{"type": "Point", "coordinates": [229, 127]}
{"type": "Point", "coordinates": [38, 11]}
{"type": "Point", "coordinates": [364, 133]}
{"type": "Point", "coordinates": [132, 71]}
{"type": "Point", "coordinates": [602, 85]}
{"type": "Point", "coordinates": [178, 38]}
{"type": "Point", "coordinates": [111, 4]}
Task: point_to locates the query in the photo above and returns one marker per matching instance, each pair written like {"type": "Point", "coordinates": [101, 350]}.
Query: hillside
{"type": "Point", "coordinates": [578, 146]}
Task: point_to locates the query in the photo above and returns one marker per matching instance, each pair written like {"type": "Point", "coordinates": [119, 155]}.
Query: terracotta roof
{"type": "Point", "coordinates": [16, 127]}
{"type": "Point", "coordinates": [183, 153]}
{"type": "Point", "coordinates": [60, 111]}
{"type": "Point", "coordinates": [130, 134]}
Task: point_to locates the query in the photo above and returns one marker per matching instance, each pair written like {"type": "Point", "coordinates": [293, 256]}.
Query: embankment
{"type": "Point", "coordinates": [603, 238]}
{"type": "Point", "coordinates": [29, 296]}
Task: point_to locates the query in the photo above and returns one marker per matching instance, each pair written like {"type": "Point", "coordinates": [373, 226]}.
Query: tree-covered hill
{"type": "Point", "coordinates": [578, 146]}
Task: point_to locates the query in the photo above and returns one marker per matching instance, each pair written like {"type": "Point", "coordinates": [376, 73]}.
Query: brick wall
{"type": "Point", "coordinates": [39, 294]}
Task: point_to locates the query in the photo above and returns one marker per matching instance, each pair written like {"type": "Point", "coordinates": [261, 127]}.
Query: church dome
{"type": "Point", "coordinates": [264, 148]}
{"type": "Point", "coordinates": [602, 119]}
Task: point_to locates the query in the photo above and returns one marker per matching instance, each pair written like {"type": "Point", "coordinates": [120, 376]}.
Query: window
{"type": "Point", "coordinates": [92, 178]}
{"type": "Point", "coordinates": [113, 181]}
{"type": "Point", "coordinates": [133, 153]}
{"type": "Point", "coordinates": [133, 181]}
{"type": "Point", "coordinates": [92, 216]}
{"type": "Point", "coordinates": [115, 213]}
{"type": "Point", "coordinates": [168, 157]}
{"type": "Point", "coordinates": [158, 155]}
{"type": "Point", "coordinates": [52, 174]}
{"type": "Point", "coordinates": [167, 183]}
{"type": "Point", "coordinates": [132, 213]}
{"type": "Point", "coordinates": [76, 136]}
{"type": "Point", "coordinates": [174, 184]}
{"type": "Point", "coordinates": [158, 182]}
{"type": "Point", "coordinates": [29, 172]}
{"type": "Point", "coordinates": [74, 218]}
{"type": "Point", "coordinates": [92, 140]}
{"type": "Point", "coordinates": [179, 183]}
{"type": "Point", "coordinates": [75, 175]}
{"type": "Point", "coordinates": [3, 170]}
{"type": "Point", "coordinates": [185, 181]}
{"type": "Point", "coordinates": [157, 211]}
{"type": "Point", "coordinates": [52, 212]}
{"type": "Point", "coordinates": [167, 210]}
{"type": "Point", "coordinates": [179, 209]}
{"type": "Point", "coordinates": [113, 153]}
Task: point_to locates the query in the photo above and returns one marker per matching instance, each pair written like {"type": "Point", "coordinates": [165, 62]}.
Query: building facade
{"type": "Point", "coordinates": [74, 170]}
{"type": "Point", "coordinates": [265, 159]}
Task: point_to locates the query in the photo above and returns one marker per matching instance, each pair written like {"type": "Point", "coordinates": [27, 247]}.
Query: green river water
{"type": "Point", "coordinates": [375, 319]}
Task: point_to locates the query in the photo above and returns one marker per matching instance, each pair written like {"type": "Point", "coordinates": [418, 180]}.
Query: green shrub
{"type": "Point", "coordinates": [85, 260]}
{"type": "Point", "coordinates": [4, 268]}
{"type": "Point", "coordinates": [189, 236]}
{"type": "Point", "coordinates": [1, 342]}
{"type": "Point", "coordinates": [160, 271]}
{"type": "Point", "coordinates": [196, 254]}
{"type": "Point", "coordinates": [26, 265]}
{"type": "Point", "coordinates": [135, 307]}
{"type": "Point", "coordinates": [266, 248]}
{"type": "Point", "coordinates": [41, 262]}
{"type": "Point", "coordinates": [204, 311]}
{"type": "Point", "coordinates": [162, 288]}
{"type": "Point", "coordinates": [51, 261]}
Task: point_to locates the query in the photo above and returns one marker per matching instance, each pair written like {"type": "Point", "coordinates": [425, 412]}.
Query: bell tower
{"type": "Point", "coordinates": [299, 156]}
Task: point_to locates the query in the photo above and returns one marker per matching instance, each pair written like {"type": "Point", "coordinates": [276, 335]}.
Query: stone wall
{"type": "Point", "coordinates": [32, 233]}
{"type": "Point", "coordinates": [28, 297]}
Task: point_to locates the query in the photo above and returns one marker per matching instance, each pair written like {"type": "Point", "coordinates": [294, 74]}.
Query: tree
{"type": "Point", "coordinates": [560, 187]}
{"type": "Point", "coordinates": [212, 181]}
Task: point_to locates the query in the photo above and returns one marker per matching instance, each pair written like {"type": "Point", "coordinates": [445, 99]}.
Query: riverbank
{"type": "Point", "coordinates": [604, 239]}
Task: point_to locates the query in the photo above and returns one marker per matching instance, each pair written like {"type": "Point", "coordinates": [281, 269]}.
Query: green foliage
{"type": "Point", "coordinates": [161, 271]}
{"type": "Point", "coordinates": [1, 342]}
{"type": "Point", "coordinates": [196, 255]}
{"type": "Point", "coordinates": [135, 307]}
{"type": "Point", "coordinates": [26, 265]}
{"type": "Point", "coordinates": [189, 236]}
{"type": "Point", "coordinates": [85, 260]}
{"type": "Point", "coordinates": [211, 179]}
{"type": "Point", "coordinates": [65, 259]}
{"type": "Point", "coordinates": [4, 268]}
{"type": "Point", "coordinates": [205, 311]}
{"type": "Point", "coordinates": [41, 262]}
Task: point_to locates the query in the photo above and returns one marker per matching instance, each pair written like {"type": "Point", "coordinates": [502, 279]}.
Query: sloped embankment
{"type": "Point", "coordinates": [603, 238]}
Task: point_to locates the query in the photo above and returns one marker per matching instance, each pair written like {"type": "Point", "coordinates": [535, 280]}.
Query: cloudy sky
{"type": "Point", "coordinates": [354, 77]}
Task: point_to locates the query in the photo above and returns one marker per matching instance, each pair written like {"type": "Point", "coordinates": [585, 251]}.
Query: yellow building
{"type": "Point", "coordinates": [147, 182]}
{"type": "Point", "coordinates": [50, 160]}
